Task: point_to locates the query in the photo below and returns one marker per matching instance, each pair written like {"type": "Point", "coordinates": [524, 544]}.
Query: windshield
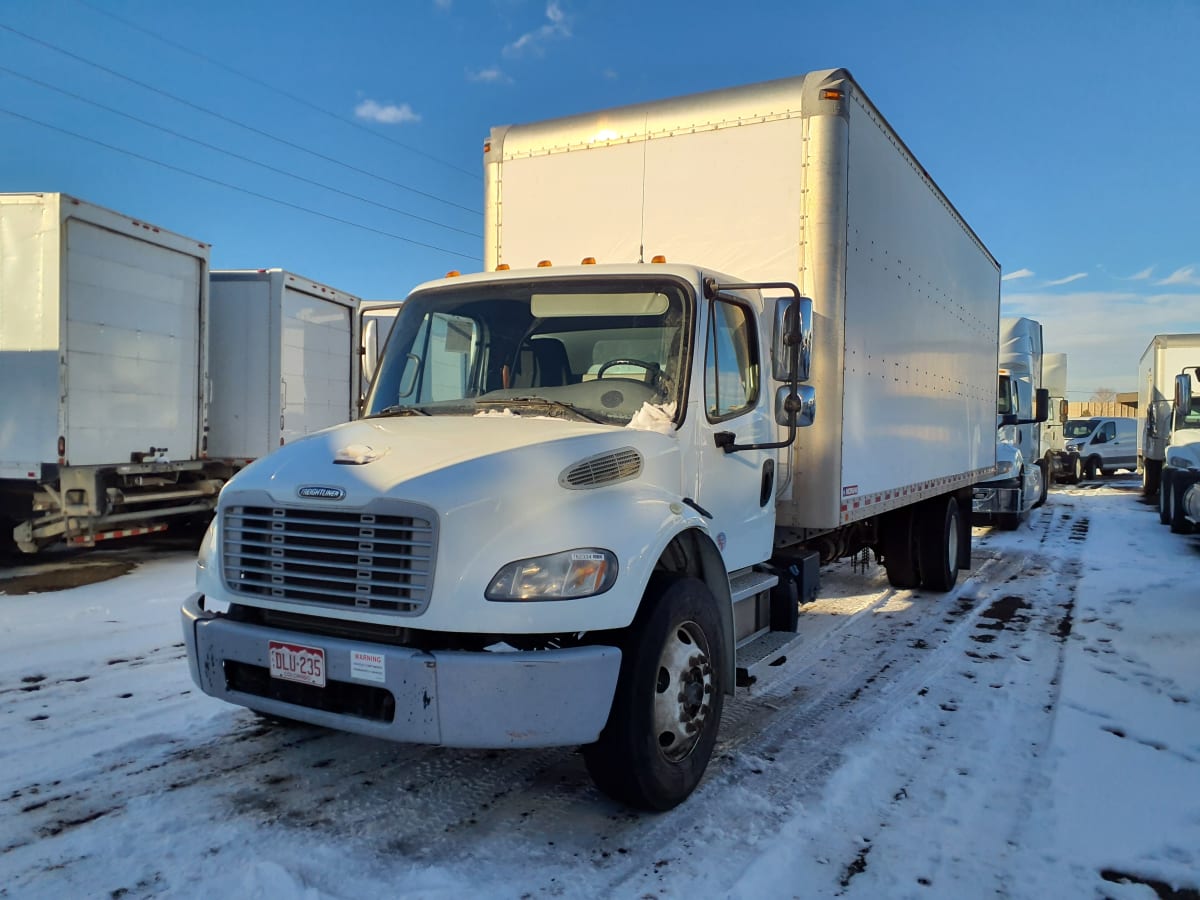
{"type": "Point", "coordinates": [582, 348]}
{"type": "Point", "coordinates": [1078, 428]}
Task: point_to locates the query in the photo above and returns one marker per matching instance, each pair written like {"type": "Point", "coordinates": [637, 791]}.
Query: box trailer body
{"type": "Point", "coordinates": [284, 360]}
{"type": "Point", "coordinates": [766, 184]}
{"type": "Point", "coordinates": [1022, 475]}
{"type": "Point", "coordinates": [1169, 426]}
{"type": "Point", "coordinates": [575, 482]}
{"type": "Point", "coordinates": [1054, 441]}
{"type": "Point", "coordinates": [103, 361]}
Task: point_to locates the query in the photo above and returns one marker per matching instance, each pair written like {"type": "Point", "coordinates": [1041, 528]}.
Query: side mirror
{"type": "Point", "coordinates": [805, 405]}
{"type": "Point", "coordinates": [791, 340]}
{"type": "Point", "coordinates": [1183, 398]}
{"type": "Point", "coordinates": [1062, 412]}
{"type": "Point", "coordinates": [1041, 405]}
{"type": "Point", "coordinates": [369, 351]}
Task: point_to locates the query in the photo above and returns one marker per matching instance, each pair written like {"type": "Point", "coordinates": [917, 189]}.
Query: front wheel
{"type": "Point", "coordinates": [1151, 476]}
{"type": "Point", "coordinates": [663, 723]}
{"type": "Point", "coordinates": [1091, 469]}
{"type": "Point", "coordinates": [1164, 497]}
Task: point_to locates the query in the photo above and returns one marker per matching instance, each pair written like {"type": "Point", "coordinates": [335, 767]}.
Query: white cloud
{"type": "Point", "coordinates": [1020, 273]}
{"type": "Point", "coordinates": [611, 74]}
{"type": "Point", "coordinates": [388, 114]}
{"type": "Point", "coordinates": [491, 75]}
{"type": "Point", "coordinates": [1067, 280]}
{"type": "Point", "coordinates": [1143, 275]}
{"type": "Point", "coordinates": [443, 4]}
{"type": "Point", "coordinates": [1187, 275]}
{"type": "Point", "coordinates": [1103, 333]}
{"type": "Point", "coordinates": [531, 42]}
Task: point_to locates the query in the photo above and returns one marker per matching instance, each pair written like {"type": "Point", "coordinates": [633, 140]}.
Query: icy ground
{"type": "Point", "coordinates": [1033, 734]}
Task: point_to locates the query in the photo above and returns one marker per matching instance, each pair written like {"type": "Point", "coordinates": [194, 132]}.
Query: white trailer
{"type": "Point", "coordinates": [1169, 424]}
{"type": "Point", "coordinates": [102, 359]}
{"type": "Point", "coordinates": [1022, 472]}
{"type": "Point", "coordinates": [583, 504]}
{"type": "Point", "coordinates": [284, 358]}
{"type": "Point", "coordinates": [1054, 438]}
{"type": "Point", "coordinates": [1166, 356]}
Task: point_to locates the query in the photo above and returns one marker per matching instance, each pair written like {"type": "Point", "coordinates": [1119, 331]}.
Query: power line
{"type": "Point", "coordinates": [278, 90]}
{"type": "Point", "coordinates": [232, 121]}
{"type": "Point", "coordinates": [237, 156]}
{"type": "Point", "coordinates": [234, 187]}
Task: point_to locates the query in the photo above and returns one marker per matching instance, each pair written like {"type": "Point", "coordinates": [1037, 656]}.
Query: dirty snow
{"type": "Point", "coordinates": [1035, 733]}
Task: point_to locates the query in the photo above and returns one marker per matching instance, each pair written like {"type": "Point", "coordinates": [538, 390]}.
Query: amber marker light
{"type": "Point", "coordinates": [544, 264]}
{"type": "Point", "coordinates": [832, 95]}
{"type": "Point", "coordinates": [502, 267]}
{"type": "Point", "coordinates": [588, 261]}
{"type": "Point", "coordinates": [659, 259]}
{"type": "Point", "coordinates": [453, 273]}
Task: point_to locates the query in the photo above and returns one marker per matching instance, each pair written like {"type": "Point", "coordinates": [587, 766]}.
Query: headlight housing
{"type": "Point", "coordinates": [208, 547]}
{"type": "Point", "coordinates": [571, 574]}
{"type": "Point", "coordinates": [1004, 467]}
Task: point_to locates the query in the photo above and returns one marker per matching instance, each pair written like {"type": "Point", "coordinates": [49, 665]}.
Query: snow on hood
{"type": "Point", "coordinates": [652, 417]}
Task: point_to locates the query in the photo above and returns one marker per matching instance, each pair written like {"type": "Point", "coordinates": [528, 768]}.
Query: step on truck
{"type": "Point", "coordinates": [103, 413]}
{"type": "Point", "coordinates": [720, 338]}
{"type": "Point", "coordinates": [1021, 478]}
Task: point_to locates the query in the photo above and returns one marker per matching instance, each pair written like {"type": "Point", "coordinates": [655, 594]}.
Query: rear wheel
{"type": "Point", "coordinates": [1076, 471]}
{"type": "Point", "coordinates": [898, 543]}
{"type": "Point", "coordinates": [1151, 476]}
{"type": "Point", "coordinates": [940, 531]}
{"type": "Point", "coordinates": [667, 707]}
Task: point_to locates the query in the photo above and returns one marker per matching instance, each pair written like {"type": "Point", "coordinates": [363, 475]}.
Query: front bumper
{"type": "Point", "coordinates": [543, 698]}
{"type": "Point", "coordinates": [994, 497]}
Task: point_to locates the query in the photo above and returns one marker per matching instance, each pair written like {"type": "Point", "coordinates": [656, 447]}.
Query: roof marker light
{"type": "Point", "coordinates": [659, 259]}
{"type": "Point", "coordinates": [544, 264]}
{"type": "Point", "coordinates": [503, 267]}
{"type": "Point", "coordinates": [453, 273]}
{"type": "Point", "coordinates": [831, 95]}
{"type": "Point", "coordinates": [588, 261]}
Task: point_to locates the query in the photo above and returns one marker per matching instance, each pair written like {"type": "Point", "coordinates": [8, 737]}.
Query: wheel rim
{"type": "Point", "coordinates": [952, 543]}
{"type": "Point", "coordinates": [682, 691]}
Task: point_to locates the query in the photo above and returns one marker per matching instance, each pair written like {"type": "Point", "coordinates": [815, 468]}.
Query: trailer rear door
{"type": "Point", "coordinates": [316, 367]}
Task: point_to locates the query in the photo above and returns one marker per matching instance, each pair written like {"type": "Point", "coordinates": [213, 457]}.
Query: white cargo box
{"type": "Point", "coordinates": [285, 360]}
{"type": "Point", "coordinates": [101, 350]}
{"type": "Point", "coordinates": [799, 180]}
{"type": "Point", "coordinates": [1163, 359]}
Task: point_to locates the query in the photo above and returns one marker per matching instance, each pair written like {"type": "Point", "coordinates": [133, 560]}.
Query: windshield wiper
{"type": "Point", "coordinates": [400, 411]}
{"type": "Point", "coordinates": [541, 401]}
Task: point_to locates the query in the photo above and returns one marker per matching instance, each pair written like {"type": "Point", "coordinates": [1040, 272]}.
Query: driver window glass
{"type": "Point", "coordinates": [731, 374]}
{"type": "Point", "coordinates": [1110, 431]}
{"type": "Point", "coordinates": [438, 369]}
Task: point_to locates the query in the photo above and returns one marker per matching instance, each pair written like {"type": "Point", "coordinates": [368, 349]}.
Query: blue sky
{"type": "Point", "coordinates": [1066, 133]}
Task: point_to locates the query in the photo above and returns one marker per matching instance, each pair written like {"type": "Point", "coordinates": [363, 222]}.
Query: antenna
{"type": "Point", "coordinates": [642, 224]}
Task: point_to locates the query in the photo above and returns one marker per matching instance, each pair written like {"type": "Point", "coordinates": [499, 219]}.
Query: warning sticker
{"type": "Point", "coordinates": [367, 666]}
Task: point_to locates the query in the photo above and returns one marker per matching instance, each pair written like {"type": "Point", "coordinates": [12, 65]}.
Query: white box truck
{"type": "Point", "coordinates": [102, 362]}
{"type": "Point", "coordinates": [1169, 423]}
{"type": "Point", "coordinates": [1054, 438]}
{"type": "Point", "coordinates": [283, 351]}
{"type": "Point", "coordinates": [582, 505]}
{"type": "Point", "coordinates": [1021, 478]}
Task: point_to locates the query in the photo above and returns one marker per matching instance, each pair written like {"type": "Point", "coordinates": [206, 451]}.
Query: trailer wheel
{"type": "Point", "coordinates": [1151, 476]}
{"type": "Point", "coordinates": [667, 707]}
{"type": "Point", "coordinates": [938, 543]}
{"type": "Point", "coordinates": [898, 542]}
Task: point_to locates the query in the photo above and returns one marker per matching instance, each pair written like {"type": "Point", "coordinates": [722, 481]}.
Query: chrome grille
{"type": "Point", "coordinates": [360, 559]}
{"type": "Point", "coordinates": [606, 468]}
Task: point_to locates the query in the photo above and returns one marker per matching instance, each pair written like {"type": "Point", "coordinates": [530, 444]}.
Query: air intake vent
{"type": "Point", "coordinates": [607, 468]}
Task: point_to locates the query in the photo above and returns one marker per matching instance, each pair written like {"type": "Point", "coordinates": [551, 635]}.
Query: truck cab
{"type": "Point", "coordinates": [1179, 496]}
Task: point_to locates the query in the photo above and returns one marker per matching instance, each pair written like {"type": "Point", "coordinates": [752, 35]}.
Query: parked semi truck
{"type": "Point", "coordinates": [1168, 379]}
{"type": "Point", "coordinates": [1022, 473]}
{"type": "Point", "coordinates": [1054, 439]}
{"type": "Point", "coordinates": [283, 353]}
{"type": "Point", "coordinates": [586, 500]}
{"type": "Point", "coordinates": [103, 415]}
{"type": "Point", "coordinates": [1166, 356]}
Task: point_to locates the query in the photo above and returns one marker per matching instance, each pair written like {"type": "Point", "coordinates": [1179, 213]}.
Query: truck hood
{"type": "Point", "coordinates": [1184, 449]}
{"type": "Point", "coordinates": [434, 458]}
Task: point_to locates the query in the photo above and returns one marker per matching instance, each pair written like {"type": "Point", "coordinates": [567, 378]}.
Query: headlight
{"type": "Point", "coordinates": [208, 546]}
{"type": "Point", "coordinates": [1178, 462]}
{"type": "Point", "coordinates": [560, 576]}
{"type": "Point", "coordinates": [1004, 467]}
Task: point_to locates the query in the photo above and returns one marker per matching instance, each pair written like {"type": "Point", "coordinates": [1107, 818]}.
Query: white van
{"type": "Point", "coordinates": [1099, 446]}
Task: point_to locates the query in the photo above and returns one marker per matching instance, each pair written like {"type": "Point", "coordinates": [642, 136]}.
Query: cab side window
{"type": "Point", "coordinates": [731, 369]}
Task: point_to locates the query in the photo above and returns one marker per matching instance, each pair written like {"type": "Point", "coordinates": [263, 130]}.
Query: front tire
{"type": "Point", "coordinates": [1164, 497]}
{"type": "Point", "coordinates": [667, 707]}
{"type": "Point", "coordinates": [1091, 470]}
{"type": "Point", "coordinates": [1151, 476]}
{"type": "Point", "coordinates": [1177, 520]}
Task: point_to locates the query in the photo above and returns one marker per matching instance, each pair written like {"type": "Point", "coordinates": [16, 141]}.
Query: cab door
{"type": "Point", "coordinates": [737, 490]}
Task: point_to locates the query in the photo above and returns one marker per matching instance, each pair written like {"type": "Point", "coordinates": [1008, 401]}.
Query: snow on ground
{"type": "Point", "coordinates": [1035, 733]}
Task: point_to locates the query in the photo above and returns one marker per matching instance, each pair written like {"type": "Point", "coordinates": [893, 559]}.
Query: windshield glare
{"type": "Point", "coordinates": [1079, 428]}
{"type": "Point", "coordinates": [573, 347]}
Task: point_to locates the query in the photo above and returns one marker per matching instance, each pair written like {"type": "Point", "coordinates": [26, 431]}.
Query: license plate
{"type": "Point", "coordinates": [295, 662]}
